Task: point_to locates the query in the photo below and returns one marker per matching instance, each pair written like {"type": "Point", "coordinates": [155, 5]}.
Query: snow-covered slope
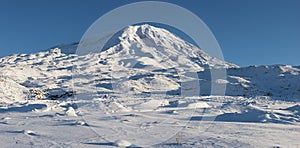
{"type": "Point", "coordinates": [146, 59]}
{"type": "Point", "coordinates": [279, 82]}
{"type": "Point", "coordinates": [145, 43]}
{"type": "Point", "coordinates": [134, 83]}
{"type": "Point", "coordinates": [148, 45]}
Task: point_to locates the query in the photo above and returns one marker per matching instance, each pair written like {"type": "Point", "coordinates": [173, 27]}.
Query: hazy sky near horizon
{"type": "Point", "coordinates": [256, 32]}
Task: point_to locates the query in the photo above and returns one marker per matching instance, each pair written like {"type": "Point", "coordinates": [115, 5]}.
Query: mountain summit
{"type": "Point", "coordinates": [148, 45]}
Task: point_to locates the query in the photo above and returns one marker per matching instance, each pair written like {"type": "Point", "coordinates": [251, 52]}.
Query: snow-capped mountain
{"type": "Point", "coordinates": [146, 59]}
{"type": "Point", "coordinates": [146, 43]}
{"type": "Point", "coordinates": [155, 45]}
{"type": "Point", "coordinates": [130, 94]}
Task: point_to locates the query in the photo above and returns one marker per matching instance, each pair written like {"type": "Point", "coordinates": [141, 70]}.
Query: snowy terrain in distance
{"type": "Point", "coordinates": [131, 95]}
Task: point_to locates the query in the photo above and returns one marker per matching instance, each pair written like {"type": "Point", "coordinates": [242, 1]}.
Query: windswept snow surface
{"type": "Point", "coordinates": [131, 94]}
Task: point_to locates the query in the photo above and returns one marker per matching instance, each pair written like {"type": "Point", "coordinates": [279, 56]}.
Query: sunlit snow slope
{"type": "Point", "coordinates": [140, 59]}
{"type": "Point", "coordinates": [146, 87]}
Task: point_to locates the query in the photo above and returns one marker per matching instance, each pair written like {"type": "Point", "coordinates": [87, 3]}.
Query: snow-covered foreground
{"type": "Point", "coordinates": [148, 88]}
{"type": "Point", "coordinates": [226, 122]}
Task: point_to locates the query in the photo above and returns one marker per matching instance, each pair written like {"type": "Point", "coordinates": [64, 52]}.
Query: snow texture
{"type": "Point", "coordinates": [129, 95]}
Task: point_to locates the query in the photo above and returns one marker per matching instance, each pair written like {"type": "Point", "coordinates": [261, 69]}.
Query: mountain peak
{"type": "Point", "coordinates": [146, 31]}
{"type": "Point", "coordinates": [155, 45]}
{"type": "Point", "coordinates": [158, 44]}
{"type": "Point", "coordinates": [137, 33]}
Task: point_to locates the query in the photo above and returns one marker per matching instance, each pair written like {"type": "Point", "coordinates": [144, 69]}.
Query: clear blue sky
{"type": "Point", "coordinates": [250, 32]}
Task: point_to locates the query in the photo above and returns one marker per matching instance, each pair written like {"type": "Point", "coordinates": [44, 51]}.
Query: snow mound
{"type": "Point", "coordinates": [71, 112]}
{"type": "Point", "coordinates": [151, 105]}
{"type": "Point", "coordinates": [12, 92]}
{"type": "Point", "coordinates": [117, 107]}
{"type": "Point", "coordinates": [122, 143]}
{"type": "Point", "coordinates": [295, 109]}
{"type": "Point", "coordinates": [198, 105]}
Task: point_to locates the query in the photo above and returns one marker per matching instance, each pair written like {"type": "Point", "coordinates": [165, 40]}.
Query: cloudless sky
{"type": "Point", "coordinates": [250, 32]}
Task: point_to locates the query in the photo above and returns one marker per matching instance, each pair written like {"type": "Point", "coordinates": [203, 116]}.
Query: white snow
{"type": "Point", "coordinates": [71, 112]}
{"type": "Point", "coordinates": [122, 143]}
{"type": "Point", "coordinates": [12, 92]}
{"type": "Point", "coordinates": [132, 92]}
